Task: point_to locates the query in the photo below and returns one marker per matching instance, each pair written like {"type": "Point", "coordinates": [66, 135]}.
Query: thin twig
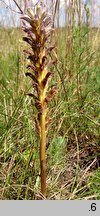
{"type": "Point", "coordinates": [7, 6]}
{"type": "Point", "coordinates": [55, 9]}
{"type": "Point", "coordinates": [18, 6]}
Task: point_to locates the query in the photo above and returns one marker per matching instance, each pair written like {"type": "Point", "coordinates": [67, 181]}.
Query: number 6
{"type": "Point", "coordinates": [93, 207]}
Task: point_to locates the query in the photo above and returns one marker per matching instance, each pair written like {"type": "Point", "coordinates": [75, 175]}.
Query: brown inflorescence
{"type": "Point", "coordinates": [38, 26]}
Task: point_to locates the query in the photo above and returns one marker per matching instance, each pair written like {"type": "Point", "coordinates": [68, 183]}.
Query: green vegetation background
{"type": "Point", "coordinates": [73, 144]}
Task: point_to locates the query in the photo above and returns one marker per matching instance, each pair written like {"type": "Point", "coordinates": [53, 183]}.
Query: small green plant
{"type": "Point", "coordinates": [38, 26]}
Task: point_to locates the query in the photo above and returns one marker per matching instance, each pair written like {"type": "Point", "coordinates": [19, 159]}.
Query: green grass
{"type": "Point", "coordinates": [73, 144]}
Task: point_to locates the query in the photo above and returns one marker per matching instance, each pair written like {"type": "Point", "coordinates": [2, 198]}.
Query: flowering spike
{"type": "Point", "coordinates": [38, 27]}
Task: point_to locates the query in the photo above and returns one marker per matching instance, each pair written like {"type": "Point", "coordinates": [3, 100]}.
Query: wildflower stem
{"type": "Point", "coordinates": [42, 153]}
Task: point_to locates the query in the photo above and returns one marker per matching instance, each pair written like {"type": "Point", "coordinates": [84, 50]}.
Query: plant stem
{"type": "Point", "coordinates": [42, 153]}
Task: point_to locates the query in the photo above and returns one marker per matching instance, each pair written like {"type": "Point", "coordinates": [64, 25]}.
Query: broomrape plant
{"type": "Point", "coordinates": [37, 25]}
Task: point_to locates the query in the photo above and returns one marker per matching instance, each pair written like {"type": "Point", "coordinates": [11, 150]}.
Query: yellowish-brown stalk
{"type": "Point", "coordinates": [42, 153]}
